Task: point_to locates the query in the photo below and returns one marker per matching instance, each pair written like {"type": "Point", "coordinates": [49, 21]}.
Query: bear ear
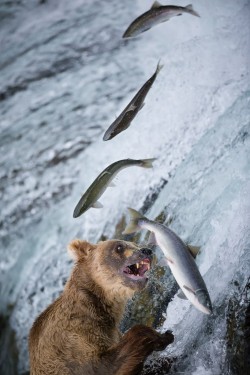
{"type": "Point", "coordinates": [79, 249]}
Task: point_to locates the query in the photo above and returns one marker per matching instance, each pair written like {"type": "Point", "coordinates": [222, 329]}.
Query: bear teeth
{"type": "Point", "coordinates": [138, 269]}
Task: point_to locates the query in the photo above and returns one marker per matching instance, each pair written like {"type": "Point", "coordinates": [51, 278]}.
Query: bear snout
{"type": "Point", "coordinates": [146, 251]}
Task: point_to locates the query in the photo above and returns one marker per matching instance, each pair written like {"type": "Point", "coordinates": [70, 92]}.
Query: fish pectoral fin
{"type": "Point", "coordinates": [189, 289]}
{"type": "Point", "coordinates": [156, 4]}
{"type": "Point", "coordinates": [111, 184]}
{"type": "Point", "coordinates": [97, 205]}
{"type": "Point", "coordinates": [132, 107]}
{"type": "Point", "coordinates": [194, 250]}
{"type": "Point", "coordinates": [169, 260]}
{"type": "Point", "coordinates": [181, 294]}
{"type": "Point", "coordinates": [147, 28]}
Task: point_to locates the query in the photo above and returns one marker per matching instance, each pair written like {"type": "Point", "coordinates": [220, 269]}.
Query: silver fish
{"type": "Point", "coordinates": [157, 14]}
{"type": "Point", "coordinates": [128, 114]}
{"type": "Point", "coordinates": [103, 181]}
{"type": "Point", "coordinates": [179, 259]}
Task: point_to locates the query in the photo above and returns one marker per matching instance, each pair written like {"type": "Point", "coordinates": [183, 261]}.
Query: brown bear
{"type": "Point", "coordinates": [79, 332]}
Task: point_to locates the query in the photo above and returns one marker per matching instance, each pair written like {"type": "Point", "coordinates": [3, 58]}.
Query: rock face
{"type": "Point", "coordinates": [65, 75]}
{"type": "Point", "coordinates": [238, 331]}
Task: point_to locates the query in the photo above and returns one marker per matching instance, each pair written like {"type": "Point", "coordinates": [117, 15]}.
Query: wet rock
{"type": "Point", "coordinates": [238, 332]}
{"type": "Point", "coordinates": [9, 350]}
{"type": "Point", "coordinates": [149, 307]}
{"type": "Point", "coordinates": [151, 198]}
{"type": "Point", "coordinates": [158, 366]}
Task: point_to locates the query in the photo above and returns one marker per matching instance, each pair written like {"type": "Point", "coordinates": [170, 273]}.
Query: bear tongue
{"type": "Point", "coordinates": [138, 269]}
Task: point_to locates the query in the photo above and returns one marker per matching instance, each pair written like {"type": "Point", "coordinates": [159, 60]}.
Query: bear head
{"type": "Point", "coordinates": [118, 267]}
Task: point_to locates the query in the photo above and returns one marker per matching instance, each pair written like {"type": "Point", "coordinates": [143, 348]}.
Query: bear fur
{"type": "Point", "coordinates": [78, 334]}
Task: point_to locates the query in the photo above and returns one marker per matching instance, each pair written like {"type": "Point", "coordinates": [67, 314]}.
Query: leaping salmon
{"type": "Point", "coordinates": [179, 259]}
{"type": "Point", "coordinates": [157, 14]}
{"type": "Point", "coordinates": [103, 181]}
{"type": "Point", "coordinates": [124, 120]}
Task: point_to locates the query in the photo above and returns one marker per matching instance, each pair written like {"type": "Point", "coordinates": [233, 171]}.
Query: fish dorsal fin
{"type": "Point", "coordinates": [97, 205]}
{"type": "Point", "coordinates": [156, 4]}
{"type": "Point", "coordinates": [194, 250]}
{"type": "Point", "coordinates": [189, 7]}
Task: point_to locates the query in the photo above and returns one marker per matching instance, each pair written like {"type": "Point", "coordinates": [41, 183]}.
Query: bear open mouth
{"type": "Point", "coordinates": [138, 270]}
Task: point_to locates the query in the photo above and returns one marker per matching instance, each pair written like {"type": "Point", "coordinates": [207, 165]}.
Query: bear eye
{"type": "Point", "coordinates": [119, 248]}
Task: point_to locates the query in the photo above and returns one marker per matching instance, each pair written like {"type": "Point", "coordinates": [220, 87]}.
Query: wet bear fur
{"type": "Point", "coordinates": [78, 333]}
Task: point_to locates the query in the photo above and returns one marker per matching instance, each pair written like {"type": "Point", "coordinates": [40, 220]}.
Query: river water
{"type": "Point", "coordinates": [65, 74]}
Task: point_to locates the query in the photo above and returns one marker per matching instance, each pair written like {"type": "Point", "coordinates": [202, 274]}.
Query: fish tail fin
{"type": "Point", "coordinates": [147, 163]}
{"type": "Point", "coordinates": [191, 10]}
{"type": "Point", "coordinates": [159, 67]}
{"type": "Point", "coordinates": [133, 225]}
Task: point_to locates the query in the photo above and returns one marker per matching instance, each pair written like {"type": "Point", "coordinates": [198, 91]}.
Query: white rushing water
{"type": "Point", "coordinates": [195, 122]}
